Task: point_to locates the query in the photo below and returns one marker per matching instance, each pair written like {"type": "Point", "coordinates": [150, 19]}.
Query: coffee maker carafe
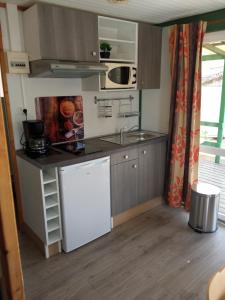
{"type": "Point", "coordinates": [35, 142]}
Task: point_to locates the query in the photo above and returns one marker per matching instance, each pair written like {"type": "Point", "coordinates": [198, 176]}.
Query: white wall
{"type": "Point", "coordinates": [23, 90]}
{"type": "Point", "coordinates": [36, 87]}
{"type": "Point", "coordinates": [156, 103]}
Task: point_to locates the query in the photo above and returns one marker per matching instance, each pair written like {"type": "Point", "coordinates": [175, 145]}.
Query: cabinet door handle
{"type": "Point", "coordinates": [144, 152]}
{"type": "Point", "coordinates": [93, 53]}
{"type": "Point", "coordinates": [126, 156]}
{"type": "Point", "coordinates": [135, 166]}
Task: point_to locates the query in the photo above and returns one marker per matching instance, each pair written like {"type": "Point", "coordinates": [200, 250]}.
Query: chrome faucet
{"type": "Point", "coordinates": [123, 129]}
{"type": "Point", "coordinates": [133, 127]}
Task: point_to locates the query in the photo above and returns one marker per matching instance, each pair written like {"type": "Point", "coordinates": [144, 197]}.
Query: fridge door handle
{"type": "Point", "coordinates": [89, 165]}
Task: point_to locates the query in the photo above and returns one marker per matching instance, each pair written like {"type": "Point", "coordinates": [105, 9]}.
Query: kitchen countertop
{"type": "Point", "coordinates": [58, 158]}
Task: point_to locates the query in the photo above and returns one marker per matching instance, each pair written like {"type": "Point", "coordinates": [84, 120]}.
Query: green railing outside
{"type": "Point", "coordinates": [220, 124]}
{"type": "Point", "coordinates": [212, 57]}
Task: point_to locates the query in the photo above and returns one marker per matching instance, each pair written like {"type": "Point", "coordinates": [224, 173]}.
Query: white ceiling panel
{"type": "Point", "coordinates": [154, 11]}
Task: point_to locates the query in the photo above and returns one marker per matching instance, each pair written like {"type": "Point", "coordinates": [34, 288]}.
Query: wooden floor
{"type": "Point", "coordinates": [154, 256]}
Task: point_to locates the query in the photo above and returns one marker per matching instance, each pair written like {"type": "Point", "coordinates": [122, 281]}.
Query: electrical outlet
{"type": "Point", "coordinates": [24, 111]}
{"type": "Point", "coordinates": [20, 109]}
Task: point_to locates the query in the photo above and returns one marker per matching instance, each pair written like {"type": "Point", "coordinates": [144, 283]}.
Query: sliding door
{"type": "Point", "coordinates": [212, 149]}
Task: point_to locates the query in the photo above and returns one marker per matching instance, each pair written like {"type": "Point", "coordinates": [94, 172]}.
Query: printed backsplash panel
{"type": "Point", "coordinates": [63, 117]}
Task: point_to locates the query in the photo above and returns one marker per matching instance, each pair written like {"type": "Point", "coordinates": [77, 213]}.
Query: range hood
{"type": "Point", "coordinates": [65, 69]}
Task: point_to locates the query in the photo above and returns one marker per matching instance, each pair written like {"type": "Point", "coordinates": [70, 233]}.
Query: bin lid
{"type": "Point", "coordinates": [205, 189]}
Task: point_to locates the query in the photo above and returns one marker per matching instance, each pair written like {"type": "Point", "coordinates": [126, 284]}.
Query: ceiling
{"type": "Point", "coordinates": [153, 11]}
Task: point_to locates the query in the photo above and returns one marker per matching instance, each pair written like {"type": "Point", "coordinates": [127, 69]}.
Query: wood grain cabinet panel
{"type": "Point", "coordinates": [124, 186]}
{"type": "Point", "coordinates": [46, 36]}
{"type": "Point", "coordinates": [76, 34]}
{"type": "Point", "coordinates": [138, 180]}
{"type": "Point", "coordinates": [151, 171]}
{"type": "Point", "coordinates": [149, 56]}
{"type": "Point", "coordinates": [60, 33]}
{"type": "Point", "coordinates": [124, 156]}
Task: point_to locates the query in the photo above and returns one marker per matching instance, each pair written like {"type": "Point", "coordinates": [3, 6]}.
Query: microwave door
{"type": "Point", "coordinates": [119, 77]}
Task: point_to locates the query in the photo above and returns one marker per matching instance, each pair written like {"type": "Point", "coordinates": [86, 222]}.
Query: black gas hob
{"type": "Point", "coordinates": [78, 147]}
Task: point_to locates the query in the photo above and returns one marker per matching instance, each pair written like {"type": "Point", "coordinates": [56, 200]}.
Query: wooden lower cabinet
{"type": "Point", "coordinates": [151, 171]}
{"type": "Point", "coordinates": [124, 186]}
{"type": "Point", "coordinates": [138, 180]}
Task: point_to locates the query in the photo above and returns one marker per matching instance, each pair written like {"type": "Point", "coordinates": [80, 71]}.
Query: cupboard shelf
{"type": "Point", "coordinates": [42, 201]}
{"type": "Point", "coordinates": [50, 192]}
{"type": "Point", "coordinates": [49, 179]}
{"type": "Point", "coordinates": [49, 176]}
{"type": "Point", "coordinates": [116, 40]}
{"type": "Point", "coordinates": [51, 201]}
{"type": "Point", "coordinates": [117, 60]}
{"type": "Point", "coordinates": [121, 35]}
{"type": "Point", "coordinates": [54, 236]}
{"type": "Point", "coordinates": [52, 213]}
{"type": "Point", "coordinates": [50, 188]}
{"type": "Point", "coordinates": [53, 225]}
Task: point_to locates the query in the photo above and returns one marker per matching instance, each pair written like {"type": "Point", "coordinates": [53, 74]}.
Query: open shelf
{"type": "Point", "coordinates": [116, 29]}
{"type": "Point", "coordinates": [54, 236]}
{"type": "Point", "coordinates": [122, 36]}
{"type": "Point", "coordinates": [51, 201]}
{"type": "Point", "coordinates": [116, 60]}
{"type": "Point", "coordinates": [53, 225]}
{"type": "Point", "coordinates": [115, 40]}
{"type": "Point", "coordinates": [49, 176]}
{"type": "Point", "coordinates": [52, 213]}
{"type": "Point", "coordinates": [122, 51]}
{"type": "Point", "coordinates": [50, 189]}
{"type": "Point", "coordinates": [49, 179]}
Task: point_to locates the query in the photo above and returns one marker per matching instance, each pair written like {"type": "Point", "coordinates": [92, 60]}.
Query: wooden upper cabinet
{"type": "Point", "coordinates": [76, 34]}
{"type": "Point", "coordinates": [149, 56]}
{"type": "Point", "coordinates": [54, 32]}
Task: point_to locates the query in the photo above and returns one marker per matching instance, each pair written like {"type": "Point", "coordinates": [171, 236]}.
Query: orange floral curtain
{"type": "Point", "coordinates": [184, 133]}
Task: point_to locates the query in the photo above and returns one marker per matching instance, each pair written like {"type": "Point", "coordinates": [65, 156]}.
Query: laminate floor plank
{"type": "Point", "coordinates": [154, 256]}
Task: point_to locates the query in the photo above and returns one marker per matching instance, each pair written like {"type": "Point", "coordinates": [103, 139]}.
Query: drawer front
{"type": "Point", "coordinates": [123, 156]}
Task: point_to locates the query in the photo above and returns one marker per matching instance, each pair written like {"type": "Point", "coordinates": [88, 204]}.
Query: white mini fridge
{"type": "Point", "coordinates": [85, 202]}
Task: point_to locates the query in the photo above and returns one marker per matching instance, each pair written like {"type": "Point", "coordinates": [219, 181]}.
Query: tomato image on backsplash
{"type": "Point", "coordinates": [63, 117]}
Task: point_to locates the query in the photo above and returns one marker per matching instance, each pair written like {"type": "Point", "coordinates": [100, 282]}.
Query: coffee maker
{"type": "Point", "coordinates": [36, 144]}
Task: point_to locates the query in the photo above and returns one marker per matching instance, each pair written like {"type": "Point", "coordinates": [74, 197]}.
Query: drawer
{"type": "Point", "coordinates": [145, 149]}
{"type": "Point", "coordinates": [124, 156]}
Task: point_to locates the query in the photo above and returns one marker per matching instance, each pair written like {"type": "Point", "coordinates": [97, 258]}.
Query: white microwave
{"type": "Point", "coordinates": [119, 76]}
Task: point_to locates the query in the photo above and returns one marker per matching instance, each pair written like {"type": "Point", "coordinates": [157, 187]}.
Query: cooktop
{"type": "Point", "coordinates": [78, 148]}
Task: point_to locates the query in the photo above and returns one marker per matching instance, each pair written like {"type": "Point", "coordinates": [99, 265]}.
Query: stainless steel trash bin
{"type": "Point", "coordinates": [204, 207]}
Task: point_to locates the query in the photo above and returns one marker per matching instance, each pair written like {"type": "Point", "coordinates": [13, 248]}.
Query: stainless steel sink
{"type": "Point", "coordinates": [141, 135]}
{"type": "Point", "coordinates": [130, 137]}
